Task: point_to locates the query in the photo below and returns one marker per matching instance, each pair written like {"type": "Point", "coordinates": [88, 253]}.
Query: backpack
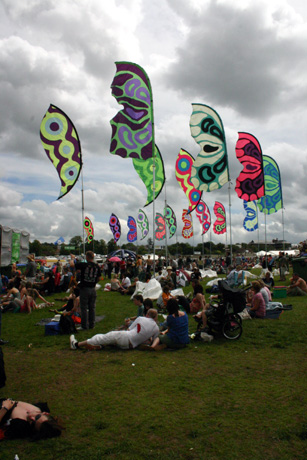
{"type": "Point", "coordinates": [67, 325]}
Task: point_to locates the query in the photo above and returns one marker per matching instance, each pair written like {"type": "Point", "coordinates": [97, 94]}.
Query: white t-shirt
{"type": "Point", "coordinates": [142, 329]}
{"type": "Point", "coordinates": [126, 283]}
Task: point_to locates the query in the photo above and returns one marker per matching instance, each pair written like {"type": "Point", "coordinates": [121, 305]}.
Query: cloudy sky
{"type": "Point", "coordinates": [245, 58]}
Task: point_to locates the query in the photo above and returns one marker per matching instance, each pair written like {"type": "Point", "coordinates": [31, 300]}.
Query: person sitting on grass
{"type": "Point", "coordinates": [256, 308]}
{"type": "Point", "coordinates": [268, 280]}
{"type": "Point", "coordinates": [298, 286]}
{"type": "Point", "coordinates": [177, 333]}
{"type": "Point", "coordinates": [20, 419]}
{"type": "Point", "coordinates": [138, 302]}
{"type": "Point", "coordinates": [35, 294]}
{"type": "Point", "coordinates": [72, 307]}
{"type": "Point", "coordinates": [143, 329]}
{"type": "Point", "coordinates": [115, 283]}
{"type": "Point", "coordinates": [166, 295]}
{"type": "Point", "coordinates": [12, 299]}
{"type": "Point", "coordinates": [124, 287]}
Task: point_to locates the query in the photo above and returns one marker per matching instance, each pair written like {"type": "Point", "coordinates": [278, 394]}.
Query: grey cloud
{"type": "Point", "coordinates": [233, 59]}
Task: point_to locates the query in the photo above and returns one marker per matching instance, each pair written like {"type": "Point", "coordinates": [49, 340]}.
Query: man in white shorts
{"type": "Point", "coordinates": [141, 330]}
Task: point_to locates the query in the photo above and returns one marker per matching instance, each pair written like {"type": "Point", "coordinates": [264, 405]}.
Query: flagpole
{"type": "Point", "coordinates": [258, 227]}
{"type": "Point", "coordinates": [165, 204]}
{"type": "Point", "coordinates": [283, 227]}
{"type": "Point", "coordinates": [230, 232]}
{"type": "Point", "coordinates": [82, 204]}
{"type": "Point", "coordinates": [266, 256]}
{"type": "Point", "coordinates": [154, 211]}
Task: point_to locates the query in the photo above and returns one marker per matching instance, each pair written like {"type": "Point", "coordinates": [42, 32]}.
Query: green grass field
{"type": "Point", "coordinates": [215, 401]}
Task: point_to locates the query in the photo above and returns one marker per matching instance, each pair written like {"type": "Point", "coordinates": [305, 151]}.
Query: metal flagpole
{"type": "Point", "coordinates": [82, 201]}
{"type": "Point", "coordinates": [154, 211]}
{"type": "Point", "coordinates": [283, 227]}
{"type": "Point", "coordinates": [166, 255]}
{"type": "Point", "coordinates": [258, 226]}
{"type": "Point", "coordinates": [266, 256]}
{"type": "Point", "coordinates": [230, 232]}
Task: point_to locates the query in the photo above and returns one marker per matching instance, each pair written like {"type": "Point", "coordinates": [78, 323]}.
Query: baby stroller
{"type": "Point", "coordinates": [222, 317]}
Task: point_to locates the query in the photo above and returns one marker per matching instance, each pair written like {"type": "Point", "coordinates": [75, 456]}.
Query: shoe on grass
{"type": "Point", "coordinates": [73, 342]}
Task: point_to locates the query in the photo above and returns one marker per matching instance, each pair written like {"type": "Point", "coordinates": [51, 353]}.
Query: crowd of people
{"type": "Point", "coordinates": [140, 330]}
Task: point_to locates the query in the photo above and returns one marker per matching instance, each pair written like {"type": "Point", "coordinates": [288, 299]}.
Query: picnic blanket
{"type": "Point", "coordinates": [45, 321]}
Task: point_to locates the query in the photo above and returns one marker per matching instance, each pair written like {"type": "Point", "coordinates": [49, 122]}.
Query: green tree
{"type": "Point", "coordinates": [111, 245]}
{"type": "Point", "coordinates": [35, 248]}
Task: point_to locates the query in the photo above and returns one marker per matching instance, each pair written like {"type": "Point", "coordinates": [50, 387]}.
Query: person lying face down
{"type": "Point", "coordinates": [143, 329]}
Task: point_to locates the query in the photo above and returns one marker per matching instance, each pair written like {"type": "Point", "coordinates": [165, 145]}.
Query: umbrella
{"type": "Point", "coordinates": [115, 259]}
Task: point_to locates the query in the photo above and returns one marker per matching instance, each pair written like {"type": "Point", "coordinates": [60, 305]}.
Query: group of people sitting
{"type": "Point", "coordinates": [22, 299]}
{"type": "Point", "coordinates": [143, 330]}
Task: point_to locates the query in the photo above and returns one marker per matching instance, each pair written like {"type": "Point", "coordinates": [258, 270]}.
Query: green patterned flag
{"type": "Point", "coordinates": [133, 126]}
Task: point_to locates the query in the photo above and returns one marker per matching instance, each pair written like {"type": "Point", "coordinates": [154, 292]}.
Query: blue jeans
{"type": "Point", "coordinates": [88, 307]}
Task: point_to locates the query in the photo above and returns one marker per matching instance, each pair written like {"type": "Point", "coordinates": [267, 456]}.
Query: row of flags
{"type": "Point", "coordinates": [164, 221]}
{"type": "Point", "coordinates": [258, 184]}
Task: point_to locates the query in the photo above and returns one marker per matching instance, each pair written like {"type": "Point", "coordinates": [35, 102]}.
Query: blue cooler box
{"type": "Point", "coordinates": [52, 328]}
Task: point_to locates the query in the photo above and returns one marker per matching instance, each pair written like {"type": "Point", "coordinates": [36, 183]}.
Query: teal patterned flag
{"type": "Point", "coordinates": [170, 219]}
{"type": "Point", "coordinates": [210, 168]}
{"type": "Point", "coordinates": [272, 201]}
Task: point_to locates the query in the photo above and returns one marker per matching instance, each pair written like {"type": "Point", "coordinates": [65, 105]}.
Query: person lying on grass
{"type": "Point", "coordinates": [177, 333]}
{"type": "Point", "coordinates": [20, 419]}
{"type": "Point", "coordinates": [143, 329]}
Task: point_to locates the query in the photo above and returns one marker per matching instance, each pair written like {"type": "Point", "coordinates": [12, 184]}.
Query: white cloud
{"type": "Point", "coordinates": [246, 59]}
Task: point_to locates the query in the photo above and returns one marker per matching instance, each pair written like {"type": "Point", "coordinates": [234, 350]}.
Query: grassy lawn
{"type": "Point", "coordinates": [214, 401]}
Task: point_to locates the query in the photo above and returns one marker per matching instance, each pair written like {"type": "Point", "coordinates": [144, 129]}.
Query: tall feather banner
{"type": "Point", "coordinates": [143, 224]}
{"type": "Point", "coordinates": [187, 231]}
{"type": "Point", "coordinates": [203, 214]}
{"type": "Point", "coordinates": [219, 226]}
{"type": "Point", "coordinates": [250, 222]}
{"type": "Point", "coordinates": [272, 201]}
{"type": "Point", "coordinates": [62, 146]}
{"type": "Point", "coordinates": [133, 126]}
{"type": "Point", "coordinates": [250, 182]}
{"type": "Point", "coordinates": [88, 226]}
{"type": "Point", "coordinates": [210, 168]}
{"type": "Point", "coordinates": [115, 227]}
{"type": "Point", "coordinates": [132, 233]}
{"type": "Point", "coordinates": [170, 219]}
{"type": "Point", "coordinates": [183, 172]}
{"type": "Point", "coordinates": [160, 232]}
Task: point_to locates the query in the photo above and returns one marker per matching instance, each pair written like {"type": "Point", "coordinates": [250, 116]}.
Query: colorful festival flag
{"type": "Point", "coordinates": [219, 225]}
{"type": "Point", "coordinates": [115, 227]}
{"type": "Point", "coordinates": [62, 146]}
{"type": "Point", "coordinates": [203, 215]}
{"type": "Point", "coordinates": [250, 182]}
{"type": "Point", "coordinates": [187, 231]}
{"type": "Point", "coordinates": [170, 219]}
{"type": "Point", "coordinates": [250, 222]}
{"type": "Point", "coordinates": [160, 231]}
{"type": "Point", "coordinates": [183, 172]}
{"type": "Point", "coordinates": [210, 168]}
{"type": "Point", "coordinates": [133, 126]}
{"type": "Point", "coordinates": [143, 224]}
{"type": "Point", "coordinates": [132, 233]}
{"type": "Point", "coordinates": [272, 201]}
{"type": "Point", "coordinates": [88, 227]}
